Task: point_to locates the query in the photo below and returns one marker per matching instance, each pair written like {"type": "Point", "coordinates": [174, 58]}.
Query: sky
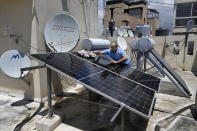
{"type": "Point", "coordinates": [165, 8]}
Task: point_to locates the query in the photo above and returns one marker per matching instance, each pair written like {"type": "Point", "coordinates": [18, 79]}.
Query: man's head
{"type": "Point", "coordinates": [114, 46]}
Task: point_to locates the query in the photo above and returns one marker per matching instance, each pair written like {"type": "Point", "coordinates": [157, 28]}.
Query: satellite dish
{"type": "Point", "coordinates": [190, 25]}
{"type": "Point", "coordinates": [122, 43]}
{"type": "Point", "coordinates": [62, 33]}
{"type": "Point", "coordinates": [122, 32]}
{"type": "Point", "coordinates": [12, 61]}
{"type": "Point", "coordinates": [125, 33]}
{"type": "Point", "coordinates": [130, 32]}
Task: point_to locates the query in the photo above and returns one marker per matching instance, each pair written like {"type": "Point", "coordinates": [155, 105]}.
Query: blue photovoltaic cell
{"type": "Point", "coordinates": [138, 76]}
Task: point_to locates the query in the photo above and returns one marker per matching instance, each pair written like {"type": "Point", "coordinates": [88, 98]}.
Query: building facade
{"type": "Point", "coordinates": [184, 10]}
{"type": "Point", "coordinates": [131, 14]}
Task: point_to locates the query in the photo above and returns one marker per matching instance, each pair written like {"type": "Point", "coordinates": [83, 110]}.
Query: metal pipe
{"type": "Point", "coordinates": [32, 68]}
{"type": "Point", "coordinates": [50, 110]}
{"type": "Point", "coordinates": [122, 120]}
{"type": "Point", "coordinates": [144, 63]}
{"type": "Point", "coordinates": [185, 46]}
{"type": "Point", "coordinates": [116, 114]}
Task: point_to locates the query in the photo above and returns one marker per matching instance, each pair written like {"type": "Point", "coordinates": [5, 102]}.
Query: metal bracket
{"type": "Point", "coordinates": [117, 113]}
{"type": "Point", "coordinates": [32, 68]}
{"type": "Point", "coordinates": [51, 54]}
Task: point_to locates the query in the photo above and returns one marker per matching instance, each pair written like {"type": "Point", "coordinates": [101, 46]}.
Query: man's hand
{"type": "Point", "coordinates": [113, 61]}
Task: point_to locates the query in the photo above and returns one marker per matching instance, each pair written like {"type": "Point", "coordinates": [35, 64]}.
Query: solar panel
{"type": "Point", "coordinates": [68, 64]}
{"type": "Point", "coordinates": [123, 91]}
{"type": "Point", "coordinates": [131, 73]}
{"type": "Point", "coordinates": [138, 76]}
{"type": "Point", "coordinates": [135, 97]}
{"type": "Point", "coordinates": [110, 66]}
{"type": "Point", "coordinates": [179, 80]}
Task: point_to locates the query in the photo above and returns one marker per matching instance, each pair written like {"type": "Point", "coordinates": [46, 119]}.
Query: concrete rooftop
{"type": "Point", "coordinates": [81, 109]}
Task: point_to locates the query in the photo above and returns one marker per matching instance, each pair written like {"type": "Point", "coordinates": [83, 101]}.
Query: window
{"type": "Point", "coordinates": [134, 11]}
{"type": "Point", "coordinates": [194, 13]}
{"type": "Point", "coordinates": [152, 14]}
{"type": "Point", "coordinates": [183, 21]}
{"type": "Point", "coordinates": [185, 12]}
{"type": "Point", "coordinates": [125, 23]}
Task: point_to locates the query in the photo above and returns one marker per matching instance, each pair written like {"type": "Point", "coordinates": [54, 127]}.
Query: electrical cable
{"type": "Point", "coordinates": [19, 126]}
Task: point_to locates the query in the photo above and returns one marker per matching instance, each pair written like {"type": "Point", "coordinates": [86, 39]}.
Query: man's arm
{"type": "Point", "coordinates": [121, 60]}
{"type": "Point", "coordinates": [98, 52]}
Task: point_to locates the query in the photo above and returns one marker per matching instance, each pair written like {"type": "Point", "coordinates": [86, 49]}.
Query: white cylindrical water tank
{"type": "Point", "coordinates": [95, 43]}
{"type": "Point", "coordinates": [143, 44]}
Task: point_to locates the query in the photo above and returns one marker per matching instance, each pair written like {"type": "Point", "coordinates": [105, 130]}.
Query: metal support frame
{"type": "Point", "coordinates": [116, 114]}
{"type": "Point", "coordinates": [144, 63]}
{"type": "Point", "coordinates": [122, 120]}
{"type": "Point", "coordinates": [166, 73]}
{"type": "Point", "coordinates": [122, 111]}
{"type": "Point", "coordinates": [50, 110]}
{"type": "Point", "coordinates": [185, 46]}
{"type": "Point", "coordinates": [28, 69]}
{"type": "Point", "coordinates": [32, 68]}
{"type": "Point", "coordinates": [139, 64]}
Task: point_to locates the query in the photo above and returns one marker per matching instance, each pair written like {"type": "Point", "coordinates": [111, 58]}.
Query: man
{"type": "Point", "coordinates": [117, 54]}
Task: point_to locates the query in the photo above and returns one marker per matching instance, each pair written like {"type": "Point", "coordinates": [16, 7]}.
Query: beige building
{"type": "Point", "coordinates": [184, 10]}
{"type": "Point", "coordinates": [22, 24]}
{"type": "Point", "coordinates": [131, 15]}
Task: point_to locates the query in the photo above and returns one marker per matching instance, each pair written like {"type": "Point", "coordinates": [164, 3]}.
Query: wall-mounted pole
{"type": "Point", "coordinates": [185, 46]}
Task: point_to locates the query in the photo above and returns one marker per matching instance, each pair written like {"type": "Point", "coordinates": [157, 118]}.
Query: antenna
{"type": "Point", "coordinates": [62, 33]}
{"type": "Point", "coordinates": [12, 61]}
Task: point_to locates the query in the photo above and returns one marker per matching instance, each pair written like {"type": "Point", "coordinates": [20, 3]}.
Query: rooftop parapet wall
{"type": "Point", "coordinates": [175, 61]}
{"type": "Point", "coordinates": [26, 20]}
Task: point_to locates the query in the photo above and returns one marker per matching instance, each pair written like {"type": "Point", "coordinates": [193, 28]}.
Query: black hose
{"type": "Point", "coordinates": [23, 122]}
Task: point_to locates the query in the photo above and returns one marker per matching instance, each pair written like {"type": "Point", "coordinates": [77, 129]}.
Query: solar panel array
{"type": "Point", "coordinates": [128, 87]}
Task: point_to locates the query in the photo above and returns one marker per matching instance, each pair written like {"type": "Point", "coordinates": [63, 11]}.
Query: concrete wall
{"type": "Point", "coordinates": [175, 61]}
{"type": "Point", "coordinates": [154, 22]}
{"type": "Point", "coordinates": [27, 19]}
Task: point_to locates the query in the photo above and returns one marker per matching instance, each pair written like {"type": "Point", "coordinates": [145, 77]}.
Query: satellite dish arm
{"type": "Point", "coordinates": [50, 44]}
